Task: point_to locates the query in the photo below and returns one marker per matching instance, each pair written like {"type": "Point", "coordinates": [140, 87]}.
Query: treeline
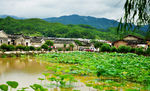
{"type": "Point", "coordinates": [47, 46]}
{"type": "Point", "coordinates": [39, 27]}
{"type": "Point", "coordinates": [121, 49]}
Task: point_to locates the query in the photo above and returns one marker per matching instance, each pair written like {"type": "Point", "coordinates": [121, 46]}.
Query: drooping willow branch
{"type": "Point", "coordinates": [136, 12]}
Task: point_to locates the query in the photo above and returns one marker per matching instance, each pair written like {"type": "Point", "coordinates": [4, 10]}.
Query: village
{"type": "Point", "coordinates": [20, 39]}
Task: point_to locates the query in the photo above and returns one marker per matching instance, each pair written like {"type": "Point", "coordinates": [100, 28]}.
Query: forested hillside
{"type": "Point", "coordinates": [39, 27]}
{"type": "Point", "coordinates": [102, 23]}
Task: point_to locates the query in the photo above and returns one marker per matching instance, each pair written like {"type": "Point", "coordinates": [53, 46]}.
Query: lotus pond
{"type": "Point", "coordinates": [76, 71]}
{"type": "Point", "coordinates": [103, 71]}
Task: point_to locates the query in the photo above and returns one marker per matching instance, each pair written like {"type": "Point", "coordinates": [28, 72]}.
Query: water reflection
{"type": "Point", "coordinates": [27, 70]}
{"type": "Point", "coordinates": [24, 70]}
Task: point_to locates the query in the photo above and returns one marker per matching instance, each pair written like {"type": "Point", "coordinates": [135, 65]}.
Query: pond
{"type": "Point", "coordinates": [26, 71]}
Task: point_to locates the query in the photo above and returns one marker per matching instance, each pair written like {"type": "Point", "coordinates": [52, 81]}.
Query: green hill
{"type": "Point", "coordinates": [39, 27]}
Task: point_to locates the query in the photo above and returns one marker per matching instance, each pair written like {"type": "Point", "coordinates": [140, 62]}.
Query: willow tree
{"type": "Point", "coordinates": [136, 12]}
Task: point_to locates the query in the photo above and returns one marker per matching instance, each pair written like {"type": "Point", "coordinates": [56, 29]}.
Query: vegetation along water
{"type": "Point", "coordinates": [98, 71]}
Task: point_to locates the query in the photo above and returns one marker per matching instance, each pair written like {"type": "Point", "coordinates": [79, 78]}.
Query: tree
{"type": "Point", "coordinates": [49, 43]}
{"type": "Point", "coordinates": [65, 47]}
{"type": "Point", "coordinates": [78, 43]}
{"type": "Point", "coordinates": [139, 9]}
{"type": "Point", "coordinates": [20, 47]}
{"type": "Point", "coordinates": [44, 46]}
{"type": "Point", "coordinates": [4, 47]}
{"type": "Point", "coordinates": [136, 12]}
{"type": "Point", "coordinates": [71, 46]}
{"type": "Point", "coordinates": [32, 48]}
{"type": "Point", "coordinates": [98, 44]}
{"type": "Point", "coordinates": [11, 47]}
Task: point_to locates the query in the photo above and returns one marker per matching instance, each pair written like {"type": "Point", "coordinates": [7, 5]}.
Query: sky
{"type": "Point", "coordinates": [111, 9]}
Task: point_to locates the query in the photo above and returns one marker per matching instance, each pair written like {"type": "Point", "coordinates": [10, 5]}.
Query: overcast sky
{"type": "Point", "coordinates": [112, 9]}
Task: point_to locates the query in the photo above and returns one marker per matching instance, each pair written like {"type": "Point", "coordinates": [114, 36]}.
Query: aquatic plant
{"type": "Point", "coordinates": [4, 87]}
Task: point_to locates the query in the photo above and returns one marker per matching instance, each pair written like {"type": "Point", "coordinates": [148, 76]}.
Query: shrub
{"type": "Point", "coordinates": [27, 48]}
{"type": "Point", "coordinates": [98, 44]}
{"type": "Point", "coordinates": [32, 48]}
{"type": "Point", "coordinates": [148, 51]}
{"type": "Point", "coordinates": [71, 46]}
{"type": "Point", "coordinates": [38, 49]}
{"type": "Point", "coordinates": [59, 49]}
{"type": "Point", "coordinates": [4, 47]}
{"type": "Point", "coordinates": [44, 46]}
{"type": "Point", "coordinates": [49, 43]}
{"type": "Point", "coordinates": [105, 48]}
{"type": "Point", "coordinates": [11, 48]}
{"type": "Point", "coordinates": [49, 49]}
{"type": "Point", "coordinates": [114, 49]}
{"type": "Point", "coordinates": [67, 49]}
{"type": "Point", "coordinates": [124, 49]}
{"type": "Point", "coordinates": [20, 47]}
{"type": "Point", "coordinates": [139, 51]}
{"type": "Point", "coordinates": [78, 42]}
{"type": "Point", "coordinates": [133, 50]}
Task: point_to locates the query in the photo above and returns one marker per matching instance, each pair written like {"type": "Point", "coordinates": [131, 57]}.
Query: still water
{"type": "Point", "coordinates": [23, 70]}
{"type": "Point", "coordinates": [26, 71]}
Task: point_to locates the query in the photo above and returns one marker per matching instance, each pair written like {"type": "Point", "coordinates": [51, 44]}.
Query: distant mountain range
{"type": "Point", "coordinates": [99, 23]}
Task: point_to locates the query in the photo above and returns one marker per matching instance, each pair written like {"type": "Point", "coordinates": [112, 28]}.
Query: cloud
{"type": "Point", "coordinates": [52, 8]}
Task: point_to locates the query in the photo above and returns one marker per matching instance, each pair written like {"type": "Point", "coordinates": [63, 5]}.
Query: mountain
{"type": "Point", "coordinates": [100, 23]}
{"type": "Point", "coordinates": [39, 27]}
{"type": "Point", "coordinates": [15, 17]}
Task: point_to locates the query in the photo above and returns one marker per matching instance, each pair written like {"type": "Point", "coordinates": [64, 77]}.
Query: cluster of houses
{"type": "Point", "coordinates": [133, 41]}
{"type": "Point", "coordinates": [20, 39]}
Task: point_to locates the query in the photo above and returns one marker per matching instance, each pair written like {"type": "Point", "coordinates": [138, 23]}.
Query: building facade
{"type": "Point", "coordinates": [131, 40]}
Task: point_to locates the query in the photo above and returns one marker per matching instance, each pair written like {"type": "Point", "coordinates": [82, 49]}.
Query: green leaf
{"type": "Point", "coordinates": [4, 87]}
{"type": "Point", "coordinates": [41, 79]}
{"type": "Point", "coordinates": [37, 87]}
{"type": "Point", "coordinates": [12, 84]}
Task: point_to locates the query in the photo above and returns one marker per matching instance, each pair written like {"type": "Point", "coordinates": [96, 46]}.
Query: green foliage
{"type": "Point", "coordinates": [38, 49]}
{"type": "Point", "coordinates": [67, 49]}
{"type": "Point", "coordinates": [148, 51]}
{"type": "Point", "coordinates": [97, 44]}
{"type": "Point", "coordinates": [4, 87]}
{"type": "Point", "coordinates": [4, 47]}
{"type": "Point", "coordinates": [121, 66]}
{"type": "Point", "coordinates": [124, 49]}
{"type": "Point", "coordinates": [20, 47]}
{"type": "Point", "coordinates": [65, 45]}
{"type": "Point", "coordinates": [105, 48]}
{"type": "Point", "coordinates": [12, 84]}
{"type": "Point", "coordinates": [27, 48]}
{"type": "Point", "coordinates": [59, 49]}
{"type": "Point", "coordinates": [113, 49]}
{"type": "Point", "coordinates": [78, 42]}
{"type": "Point", "coordinates": [49, 43]}
{"type": "Point", "coordinates": [39, 27]}
{"type": "Point", "coordinates": [44, 46]}
{"type": "Point", "coordinates": [11, 47]}
{"type": "Point", "coordinates": [71, 46]}
{"type": "Point", "coordinates": [100, 71]}
{"type": "Point", "coordinates": [49, 49]}
{"type": "Point", "coordinates": [37, 87]}
{"type": "Point", "coordinates": [139, 51]}
{"type": "Point", "coordinates": [59, 78]}
{"type": "Point", "coordinates": [32, 48]}
{"type": "Point", "coordinates": [135, 10]}
{"type": "Point", "coordinates": [133, 50]}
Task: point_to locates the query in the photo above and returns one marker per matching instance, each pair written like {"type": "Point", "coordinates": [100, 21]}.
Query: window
{"type": "Point", "coordinates": [1, 41]}
{"type": "Point", "coordinates": [8, 42]}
